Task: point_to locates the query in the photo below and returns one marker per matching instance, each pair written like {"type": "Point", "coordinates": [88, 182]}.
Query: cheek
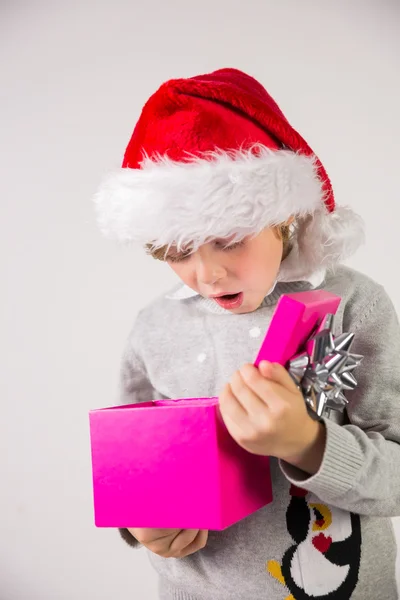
{"type": "Point", "coordinates": [184, 271]}
{"type": "Point", "coordinates": [255, 269]}
{"type": "Point", "coordinates": [247, 271]}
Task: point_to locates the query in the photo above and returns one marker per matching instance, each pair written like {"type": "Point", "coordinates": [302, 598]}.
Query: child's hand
{"type": "Point", "coordinates": [171, 543]}
{"type": "Point", "coordinates": [266, 414]}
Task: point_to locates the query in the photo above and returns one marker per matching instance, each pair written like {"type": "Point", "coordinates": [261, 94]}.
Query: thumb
{"type": "Point", "coordinates": [277, 373]}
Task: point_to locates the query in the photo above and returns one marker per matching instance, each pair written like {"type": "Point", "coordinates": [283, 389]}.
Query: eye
{"type": "Point", "coordinates": [226, 247]}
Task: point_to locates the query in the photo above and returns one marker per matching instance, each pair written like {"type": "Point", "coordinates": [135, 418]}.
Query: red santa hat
{"type": "Point", "coordinates": [213, 156]}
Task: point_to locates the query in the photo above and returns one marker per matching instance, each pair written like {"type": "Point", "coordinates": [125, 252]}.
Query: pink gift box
{"type": "Point", "coordinates": [173, 464]}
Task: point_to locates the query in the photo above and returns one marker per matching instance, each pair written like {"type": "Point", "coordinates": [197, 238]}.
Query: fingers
{"type": "Point", "coordinates": [277, 373]}
{"type": "Point", "coordinates": [171, 543]}
{"type": "Point", "coordinates": [184, 539]}
{"type": "Point", "coordinates": [197, 544]}
{"type": "Point", "coordinates": [247, 397]}
{"type": "Point", "coordinates": [266, 380]}
{"type": "Point", "coordinates": [259, 385]}
{"type": "Point", "coordinates": [230, 406]}
{"type": "Point", "coordinates": [148, 536]}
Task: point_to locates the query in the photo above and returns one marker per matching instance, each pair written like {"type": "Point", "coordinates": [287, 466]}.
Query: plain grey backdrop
{"type": "Point", "coordinates": [73, 78]}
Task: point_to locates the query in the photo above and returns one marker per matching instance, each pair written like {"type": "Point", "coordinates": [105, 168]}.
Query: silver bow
{"type": "Point", "coordinates": [324, 371]}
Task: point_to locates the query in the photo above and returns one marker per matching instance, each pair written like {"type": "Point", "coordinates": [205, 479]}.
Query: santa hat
{"type": "Point", "coordinates": [213, 156]}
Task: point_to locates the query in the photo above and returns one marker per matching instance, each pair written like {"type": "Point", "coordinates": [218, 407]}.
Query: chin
{"type": "Point", "coordinates": [246, 307]}
{"type": "Point", "coordinates": [253, 303]}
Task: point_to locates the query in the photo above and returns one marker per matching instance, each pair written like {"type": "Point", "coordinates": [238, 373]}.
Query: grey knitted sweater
{"type": "Point", "coordinates": [331, 542]}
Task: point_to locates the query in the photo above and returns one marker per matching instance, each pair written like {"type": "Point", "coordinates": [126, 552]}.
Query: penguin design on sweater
{"type": "Point", "coordinates": [324, 561]}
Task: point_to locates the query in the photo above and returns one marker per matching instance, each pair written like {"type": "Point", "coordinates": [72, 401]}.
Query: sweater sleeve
{"type": "Point", "coordinates": [134, 387]}
{"type": "Point", "coordinates": [360, 469]}
{"type": "Point", "coordinates": [134, 384]}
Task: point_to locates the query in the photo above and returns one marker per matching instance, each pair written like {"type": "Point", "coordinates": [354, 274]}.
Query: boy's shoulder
{"type": "Point", "coordinates": [358, 291]}
{"type": "Point", "coordinates": [351, 282]}
{"type": "Point", "coordinates": [160, 314]}
{"type": "Point", "coordinates": [166, 305]}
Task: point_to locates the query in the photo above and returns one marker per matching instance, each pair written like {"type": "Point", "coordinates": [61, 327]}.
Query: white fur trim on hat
{"type": "Point", "coordinates": [215, 196]}
{"type": "Point", "coordinates": [229, 194]}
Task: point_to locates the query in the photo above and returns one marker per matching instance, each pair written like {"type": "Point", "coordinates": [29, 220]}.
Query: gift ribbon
{"type": "Point", "coordinates": [324, 371]}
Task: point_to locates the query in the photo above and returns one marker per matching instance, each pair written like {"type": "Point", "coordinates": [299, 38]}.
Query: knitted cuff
{"type": "Point", "coordinates": [338, 472]}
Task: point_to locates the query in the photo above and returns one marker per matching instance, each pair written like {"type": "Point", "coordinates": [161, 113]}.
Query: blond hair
{"type": "Point", "coordinates": [283, 232]}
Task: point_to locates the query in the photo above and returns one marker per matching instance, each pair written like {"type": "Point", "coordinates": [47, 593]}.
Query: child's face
{"type": "Point", "coordinates": [247, 270]}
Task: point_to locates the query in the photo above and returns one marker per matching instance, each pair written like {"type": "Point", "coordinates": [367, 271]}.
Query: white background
{"type": "Point", "coordinates": [73, 78]}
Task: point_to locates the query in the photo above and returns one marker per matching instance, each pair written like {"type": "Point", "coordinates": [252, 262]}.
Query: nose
{"type": "Point", "coordinates": [209, 270]}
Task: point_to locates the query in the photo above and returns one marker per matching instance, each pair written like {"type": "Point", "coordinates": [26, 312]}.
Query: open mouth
{"type": "Point", "coordinates": [230, 301]}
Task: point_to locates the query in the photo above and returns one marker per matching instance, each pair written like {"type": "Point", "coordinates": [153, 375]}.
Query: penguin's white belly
{"type": "Point", "coordinates": [314, 573]}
